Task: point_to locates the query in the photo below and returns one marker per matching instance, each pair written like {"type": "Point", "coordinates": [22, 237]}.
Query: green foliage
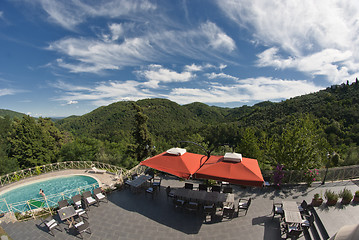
{"type": "Point", "coordinates": [346, 194]}
{"type": "Point", "coordinates": [33, 143]}
{"type": "Point", "coordinates": [331, 195]}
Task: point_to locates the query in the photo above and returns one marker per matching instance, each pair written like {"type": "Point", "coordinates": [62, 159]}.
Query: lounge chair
{"type": "Point", "coordinates": [96, 170]}
{"type": "Point", "coordinates": [89, 200]}
{"type": "Point", "coordinates": [209, 210]}
{"type": "Point", "coordinates": [77, 201]}
{"type": "Point", "coordinates": [51, 224]}
{"type": "Point", "coordinates": [99, 195]}
{"type": "Point", "coordinates": [244, 204]}
{"type": "Point", "coordinates": [169, 194]}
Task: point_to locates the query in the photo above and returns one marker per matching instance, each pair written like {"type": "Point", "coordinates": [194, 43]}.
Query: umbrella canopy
{"type": "Point", "coordinates": [176, 162]}
{"type": "Point", "coordinates": [243, 172]}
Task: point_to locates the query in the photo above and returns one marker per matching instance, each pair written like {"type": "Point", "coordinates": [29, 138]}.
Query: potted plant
{"type": "Point", "coordinates": [356, 197]}
{"type": "Point", "coordinates": [346, 196]}
{"type": "Point", "coordinates": [317, 200]}
{"type": "Point", "coordinates": [331, 196]}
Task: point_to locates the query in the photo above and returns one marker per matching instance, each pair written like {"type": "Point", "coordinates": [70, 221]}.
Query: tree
{"type": "Point", "coordinates": [143, 140]}
{"type": "Point", "coordinates": [31, 144]}
{"type": "Point", "coordinates": [301, 145]}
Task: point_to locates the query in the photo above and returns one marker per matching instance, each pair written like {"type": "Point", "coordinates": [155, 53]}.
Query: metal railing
{"type": "Point", "coordinates": [29, 172]}
{"type": "Point", "coordinates": [333, 174]}
{"type": "Point", "coordinates": [38, 207]}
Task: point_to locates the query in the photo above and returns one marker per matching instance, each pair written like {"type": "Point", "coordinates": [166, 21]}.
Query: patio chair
{"type": "Point", "coordinates": [89, 200]}
{"type": "Point", "coordinates": [77, 201]}
{"type": "Point", "coordinates": [188, 186]}
{"type": "Point", "coordinates": [51, 224]}
{"type": "Point", "coordinates": [191, 206]}
{"type": "Point", "coordinates": [244, 204]}
{"type": "Point", "coordinates": [169, 194]}
{"type": "Point", "coordinates": [228, 212]}
{"type": "Point", "coordinates": [303, 208]}
{"type": "Point", "coordinates": [81, 212]}
{"type": "Point", "coordinates": [151, 191]}
{"type": "Point", "coordinates": [202, 187]}
{"type": "Point", "coordinates": [307, 223]}
{"type": "Point", "coordinates": [99, 195]}
{"type": "Point", "coordinates": [82, 226]}
{"type": "Point", "coordinates": [178, 203]}
{"type": "Point", "coordinates": [227, 190]}
{"type": "Point", "coordinates": [216, 188]}
{"type": "Point", "coordinates": [277, 209]}
{"type": "Point", "coordinates": [63, 203]}
{"type": "Point", "coordinates": [209, 210]}
{"type": "Point", "coordinates": [157, 183]}
{"type": "Point", "coordinates": [293, 231]}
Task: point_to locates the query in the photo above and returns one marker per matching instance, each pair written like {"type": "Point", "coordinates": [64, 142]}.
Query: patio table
{"type": "Point", "coordinates": [291, 212]}
{"type": "Point", "coordinates": [138, 182]}
{"type": "Point", "coordinates": [67, 213]}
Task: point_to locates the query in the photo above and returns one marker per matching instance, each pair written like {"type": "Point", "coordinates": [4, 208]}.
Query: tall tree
{"type": "Point", "coordinates": [301, 144]}
{"type": "Point", "coordinates": [143, 140]}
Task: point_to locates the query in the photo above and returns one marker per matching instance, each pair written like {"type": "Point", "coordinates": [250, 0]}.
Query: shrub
{"type": "Point", "coordinates": [357, 193]}
{"type": "Point", "coordinates": [310, 176]}
{"type": "Point", "coordinates": [331, 195]}
{"type": "Point", "coordinates": [346, 195]}
{"type": "Point", "coordinates": [317, 196]}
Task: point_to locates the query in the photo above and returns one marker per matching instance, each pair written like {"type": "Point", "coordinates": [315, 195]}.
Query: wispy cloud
{"type": "Point", "coordinates": [69, 14]}
{"type": "Point", "coordinates": [8, 91]}
{"type": "Point", "coordinates": [307, 31]}
{"type": "Point", "coordinates": [245, 90]}
{"type": "Point", "coordinates": [96, 55]}
{"type": "Point", "coordinates": [220, 75]}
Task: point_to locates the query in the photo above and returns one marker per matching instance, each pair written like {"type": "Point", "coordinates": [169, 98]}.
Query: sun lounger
{"type": "Point", "coordinates": [89, 200]}
{"type": "Point", "coordinates": [96, 170]}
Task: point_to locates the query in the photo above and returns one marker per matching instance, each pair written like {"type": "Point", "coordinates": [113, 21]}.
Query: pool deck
{"type": "Point", "coordinates": [130, 215]}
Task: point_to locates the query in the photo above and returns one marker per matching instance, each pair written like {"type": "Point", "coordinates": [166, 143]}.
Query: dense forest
{"type": "Point", "coordinates": [311, 131]}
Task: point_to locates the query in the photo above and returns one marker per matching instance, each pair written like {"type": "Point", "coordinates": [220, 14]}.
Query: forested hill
{"type": "Point", "coordinates": [298, 133]}
{"type": "Point", "coordinates": [11, 114]}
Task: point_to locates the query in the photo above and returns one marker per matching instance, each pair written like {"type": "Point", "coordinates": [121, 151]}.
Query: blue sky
{"type": "Point", "coordinates": [61, 58]}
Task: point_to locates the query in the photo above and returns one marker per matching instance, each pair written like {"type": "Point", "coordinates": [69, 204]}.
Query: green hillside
{"type": "Point", "coordinates": [11, 114]}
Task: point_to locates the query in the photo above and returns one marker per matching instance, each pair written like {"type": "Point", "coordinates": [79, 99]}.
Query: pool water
{"type": "Point", "coordinates": [51, 186]}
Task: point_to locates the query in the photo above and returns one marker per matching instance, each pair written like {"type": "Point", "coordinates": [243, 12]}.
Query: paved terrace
{"type": "Point", "coordinates": [130, 215]}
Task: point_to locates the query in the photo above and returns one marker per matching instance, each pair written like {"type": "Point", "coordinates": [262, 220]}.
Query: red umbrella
{"type": "Point", "coordinates": [244, 172]}
{"type": "Point", "coordinates": [176, 161]}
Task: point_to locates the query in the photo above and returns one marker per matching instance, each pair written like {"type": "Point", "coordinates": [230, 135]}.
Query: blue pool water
{"type": "Point", "coordinates": [52, 188]}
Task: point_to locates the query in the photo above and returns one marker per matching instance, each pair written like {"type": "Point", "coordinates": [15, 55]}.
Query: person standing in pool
{"type": "Point", "coordinates": [42, 193]}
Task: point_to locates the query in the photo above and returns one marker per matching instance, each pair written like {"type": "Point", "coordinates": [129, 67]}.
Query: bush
{"type": "Point", "coordinates": [331, 195]}
{"type": "Point", "coordinates": [346, 195]}
{"type": "Point", "coordinates": [357, 193]}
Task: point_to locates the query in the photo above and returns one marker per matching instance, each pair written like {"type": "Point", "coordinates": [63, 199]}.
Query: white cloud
{"type": "Point", "coordinates": [243, 90]}
{"type": "Point", "coordinates": [72, 102]}
{"type": "Point", "coordinates": [8, 91]}
{"type": "Point", "coordinates": [251, 89]}
{"type": "Point", "coordinates": [102, 93]}
{"type": "Point", "coordinates": [328, 62]}
{"type": "Point", "coordinates": [306, 32]}
{"type": "Point", "coordinates": [156, 74]}
{"type": "Point", "coordinates": [220, 75]}
{"type": "Point", "coordinates": [95, 55]}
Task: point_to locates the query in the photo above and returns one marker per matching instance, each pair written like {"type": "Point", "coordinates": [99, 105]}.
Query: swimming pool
{"type": "Point", "coordinates": [54, 189]}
